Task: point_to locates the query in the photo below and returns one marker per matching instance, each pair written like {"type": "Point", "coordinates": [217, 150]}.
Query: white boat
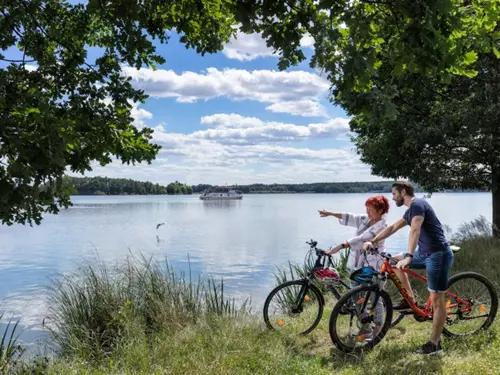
{"type": "Point", "coordinates": [221, 193]}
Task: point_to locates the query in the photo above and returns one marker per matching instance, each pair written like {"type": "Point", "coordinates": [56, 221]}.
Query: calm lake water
{"type": "Point", "coordinates": [242, 241]}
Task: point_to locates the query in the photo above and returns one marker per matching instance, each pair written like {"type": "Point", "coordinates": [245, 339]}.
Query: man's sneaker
{"type": "Point", "coordinates": [403, 305]}
{"type": "Point", "coordinates": [430, 349]}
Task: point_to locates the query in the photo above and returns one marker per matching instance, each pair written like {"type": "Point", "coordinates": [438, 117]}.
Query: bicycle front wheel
{"type": "Point", "coordinates": [294, 307]}
{"type": "Point", "coordinates": [471, 304]}
{"type": "Point", "coordinates": [360, 319]}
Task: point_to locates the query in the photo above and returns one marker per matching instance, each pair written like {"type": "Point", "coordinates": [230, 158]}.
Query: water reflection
{"type": "Point", "coordinates": [223, 204]}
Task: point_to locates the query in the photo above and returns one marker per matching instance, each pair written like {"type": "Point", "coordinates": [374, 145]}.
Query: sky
{"type": "Point", "coordinates": [234, 118]}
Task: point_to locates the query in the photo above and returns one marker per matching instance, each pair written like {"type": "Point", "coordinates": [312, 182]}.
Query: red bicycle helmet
{"type": "Point", "coordinates": [325, 273]}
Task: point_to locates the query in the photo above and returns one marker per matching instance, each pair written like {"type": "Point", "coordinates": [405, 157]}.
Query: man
{"type": "Point", "coordinates": [433, 254]}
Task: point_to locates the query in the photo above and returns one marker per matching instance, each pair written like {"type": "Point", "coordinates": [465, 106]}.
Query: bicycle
{"type": "Point", "coordinates": [459, 304]}
{"type": "Point", "coordinates": [301, 299]}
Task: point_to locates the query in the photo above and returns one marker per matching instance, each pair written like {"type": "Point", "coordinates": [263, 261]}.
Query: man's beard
{"type": "Point", "coordinates": [400, 202]}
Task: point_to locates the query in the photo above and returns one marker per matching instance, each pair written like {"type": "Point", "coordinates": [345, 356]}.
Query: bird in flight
{"type": "Point", "coordinates": [159, 225]}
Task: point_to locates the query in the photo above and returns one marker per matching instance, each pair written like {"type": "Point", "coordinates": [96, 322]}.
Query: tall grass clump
{"type": "Point", "coordinates": [10, 350]}
{"type": "Point", "coordinates": [480, 251]}
{"type": "Point", "coordinates": [477, 228]}
{"type": "Point", "coordinates": [94, 309]}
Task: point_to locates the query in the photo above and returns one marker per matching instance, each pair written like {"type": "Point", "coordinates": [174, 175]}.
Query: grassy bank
{"type": "Point", "coordinates": [141, 317]}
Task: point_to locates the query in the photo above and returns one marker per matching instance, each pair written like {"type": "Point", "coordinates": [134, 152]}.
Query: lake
{"type": "Point", "coordinates": [242, 241]}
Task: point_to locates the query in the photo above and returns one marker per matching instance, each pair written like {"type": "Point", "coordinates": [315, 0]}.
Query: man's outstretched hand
{"type": "Point", "coordinates": [402, 264]}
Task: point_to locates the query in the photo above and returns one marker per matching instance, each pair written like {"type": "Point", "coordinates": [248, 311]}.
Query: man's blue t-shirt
{"type": "Point", "coordinates": [432, 237]}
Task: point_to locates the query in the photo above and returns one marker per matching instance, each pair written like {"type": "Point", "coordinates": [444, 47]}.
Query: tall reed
{"type": "Point", "coordinates": [97, 306]}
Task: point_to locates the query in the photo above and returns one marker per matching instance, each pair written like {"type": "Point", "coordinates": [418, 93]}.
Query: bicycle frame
{"type": "Point", "coordinates": [426, 312]}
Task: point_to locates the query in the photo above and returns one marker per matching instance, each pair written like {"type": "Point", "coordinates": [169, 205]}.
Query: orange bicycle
{"type": "Point", "coordinates": [471, 302]}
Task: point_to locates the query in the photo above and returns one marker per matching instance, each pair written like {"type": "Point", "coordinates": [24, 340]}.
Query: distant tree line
{"type": "Point", "coordinates": [176, 187]}
{"type": "Point", "coordinates": [124, 186]}
{"type": "Point", "coordinates": [319, 187]}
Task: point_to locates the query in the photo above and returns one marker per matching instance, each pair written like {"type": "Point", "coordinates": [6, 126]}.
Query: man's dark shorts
{"type": "Point", "coordinates": [437, 267]}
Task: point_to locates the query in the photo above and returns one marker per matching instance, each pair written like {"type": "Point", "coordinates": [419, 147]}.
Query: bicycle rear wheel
{"type": "Point", "coordinates": [475, 306]}
{"type": "Point", "coordinates": [294, 307]}
{"type": "Point", "coordinates": [367, 310]}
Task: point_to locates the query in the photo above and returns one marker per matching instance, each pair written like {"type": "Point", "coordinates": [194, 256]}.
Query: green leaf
{"type": "Point", "coordinates": [470, 73]}
{"type": "Point", "coordinates": [470, 57]}
{"type": "Point", "coordinates": [496, 52]}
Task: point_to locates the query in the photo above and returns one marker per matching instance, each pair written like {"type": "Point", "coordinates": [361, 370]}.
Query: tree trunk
{"type": "Point", "coordinates": [495, 191]}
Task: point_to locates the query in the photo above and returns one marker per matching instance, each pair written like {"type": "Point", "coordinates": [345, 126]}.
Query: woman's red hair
{"type": "Point", "coordinates": [379, 202]}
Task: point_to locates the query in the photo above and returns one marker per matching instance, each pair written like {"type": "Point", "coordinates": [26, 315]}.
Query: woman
{"type": "Point", "coordinates": [367, 226]}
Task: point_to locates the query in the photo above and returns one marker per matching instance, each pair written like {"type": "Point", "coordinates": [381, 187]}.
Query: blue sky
{"type": "Point", "coordinates": [233, 117]}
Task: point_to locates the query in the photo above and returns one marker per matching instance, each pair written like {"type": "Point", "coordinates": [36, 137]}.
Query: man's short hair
{"type": "Point", "coordinates": [400, 185]}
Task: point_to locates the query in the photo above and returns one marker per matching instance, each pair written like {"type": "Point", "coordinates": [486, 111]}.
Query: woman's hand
{"type": "Point", "coordinates": [367, 246]}
{"type": "Point", "coordinates": [334, 250]}
{"type": "Point", "coordinates": [324, 213]}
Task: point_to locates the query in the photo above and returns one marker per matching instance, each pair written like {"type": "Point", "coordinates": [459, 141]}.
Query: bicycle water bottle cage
{"type": "Point", "coordinates": [326, 273]}
{"type": "Point", "coordinates": [363, 275]}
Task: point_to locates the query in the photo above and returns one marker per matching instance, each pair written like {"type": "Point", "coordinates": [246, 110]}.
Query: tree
{"type": "Point", "coordinates": [60, 111]}
{"type": "Point", "coordinates": [426, 65]}
{"type": "Point", "coordinates": [445, 136]}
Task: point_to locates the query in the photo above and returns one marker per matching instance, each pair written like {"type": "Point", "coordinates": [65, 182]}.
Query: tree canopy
{"type": "Point", "coordinates": [61, 111]}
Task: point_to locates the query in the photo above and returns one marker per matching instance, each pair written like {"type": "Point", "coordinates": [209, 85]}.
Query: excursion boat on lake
{"type": "Point", "coordinates": [221, 193]}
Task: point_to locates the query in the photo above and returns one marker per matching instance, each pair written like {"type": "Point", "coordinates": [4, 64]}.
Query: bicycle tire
{"type": "Point", "coordinates": [398, 320]}
{"type": "Point", "coordinates": [494, 301]}
{"type": "Point", "coordinates": [310, 287]}
{"type": "Point", "coordinates": [337, 311]}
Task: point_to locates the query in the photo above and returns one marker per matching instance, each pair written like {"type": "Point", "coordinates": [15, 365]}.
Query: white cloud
{"type": "Point", "coordinates": [237, 129]}
{"type": "Point", "coordinates": [247, 47]}
{"type": "Point", "coordinates": [306, 108]}
{"type": "Point", "coordinates": [307, 41]}
{"type": "Point", "coordinates": [282, 90]}
{"type": "Point", "coordinates": [31, 67]}
{"type": "Point", "coordinates": [139, 115]}
{"type": "Point", "coordinates": [198, 156]}
{"type": "Point", "coordinates": [232, 120]}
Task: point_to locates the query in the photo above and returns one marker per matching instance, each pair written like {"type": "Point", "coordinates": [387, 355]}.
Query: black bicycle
{"type": "Point", "coordinates": [296, 306]}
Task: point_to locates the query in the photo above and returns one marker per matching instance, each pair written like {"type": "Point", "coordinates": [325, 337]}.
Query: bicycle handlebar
{"type": "Point", "coordinates": [312, 243]}
{"type": "Point", "coordinates": [374, 250]}
{"type": "Point", "coordinates": [319, 253]}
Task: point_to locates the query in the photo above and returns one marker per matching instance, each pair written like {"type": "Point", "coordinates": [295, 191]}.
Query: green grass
{"type": "Point", "coordinates": [143, 318]}
{"type": "Point", "coordinates": [243, 346]}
